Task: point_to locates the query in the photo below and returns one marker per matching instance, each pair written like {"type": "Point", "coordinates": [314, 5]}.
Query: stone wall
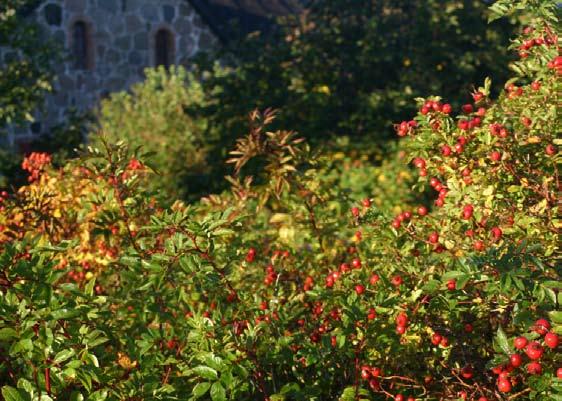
{"type": "Point", "coordinates": [121, 37]}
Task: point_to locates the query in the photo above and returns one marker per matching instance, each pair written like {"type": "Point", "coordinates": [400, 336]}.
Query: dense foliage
{"type": "Point", "coordinates": [319, 277]}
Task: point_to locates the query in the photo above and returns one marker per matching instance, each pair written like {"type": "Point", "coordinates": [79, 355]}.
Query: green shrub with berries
{"type": "Point", "coordinates": [320, 277]}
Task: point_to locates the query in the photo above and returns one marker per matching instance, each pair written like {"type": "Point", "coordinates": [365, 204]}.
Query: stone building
{"type": "Point", "coordinates": [108, 43]}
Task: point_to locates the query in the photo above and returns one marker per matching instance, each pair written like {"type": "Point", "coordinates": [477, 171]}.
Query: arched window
{"type": "Point", "coordinates": [81, 46]}
{"type": "Point", "coordinates": [164, 48]}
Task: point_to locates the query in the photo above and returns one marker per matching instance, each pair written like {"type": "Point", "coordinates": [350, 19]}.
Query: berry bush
{"type": "Point", "coordinates": [315, 279]}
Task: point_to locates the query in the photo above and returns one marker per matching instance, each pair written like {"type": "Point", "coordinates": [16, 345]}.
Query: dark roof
{"type": "Point", "coordinates": [229, 19]}
{"type": "Point", "coordinates": [232, 19]}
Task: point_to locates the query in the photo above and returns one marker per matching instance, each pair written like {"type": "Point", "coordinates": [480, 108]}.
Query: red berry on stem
{"type": "Point", "coordinates": [534, 350]}
{"type": "Point", "coordinates": [359, 289]}
{"type": "Point", "coordinates": [433, 238]}
{"type": "Point", "coordinates": [504, 385]}
{"type": "Point", "coordinates": [551, 340]}
{"type": "Point", "coordinates": [515, 360]}
{"type": "Point", "coordinates": [534, 368]}
{"type": "Point", "coordinates": [520, 342]}
{"type": "Point", "coordinates": [542, 326]}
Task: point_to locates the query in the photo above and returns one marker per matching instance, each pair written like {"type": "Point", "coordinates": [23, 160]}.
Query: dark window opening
{"type": "Point", "coordinates": [164, 48]}
{"type": "Point", "coordinates": [81, 46]}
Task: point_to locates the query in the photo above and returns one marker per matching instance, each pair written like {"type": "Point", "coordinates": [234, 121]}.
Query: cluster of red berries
{"type": "Point", "coordinates": [404, 216]}
{"type": "Point", "coordinates": [271, 275]}
{"type": "Point", "coordinates": [401, 323]}
{"type": "Point", "coordinates": [441, 189]}
{"type": "Point", "coordinates": [534, 351]}
{"type": "Point", "coordinates": [435, 106]}
{"type": "Point", "coordinates": [34, 164]}
{"type": "Point", "coordinates": [438, 339]}
{"type": "Point", "coordinates": [355, 211]}
{"type": "Point", "coordinates": [405, 127]}
{"type": "Point", "coordinates": [556, 64]}
{"type": "Point", "coordinates": [345, 267]}
{"type": "Point", "coordinates": [251, 255]}
{"type": "Point", "coordinates": [372, 376]}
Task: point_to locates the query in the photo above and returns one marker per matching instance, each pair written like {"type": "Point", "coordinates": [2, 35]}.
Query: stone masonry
{"type": "Point", "coordinates": [121, 41]}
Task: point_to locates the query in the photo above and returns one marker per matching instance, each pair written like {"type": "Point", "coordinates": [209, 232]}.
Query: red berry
{"type": "Point", "coordinates": [477, 96]}
{"type": "Point", "coordinates": [551, 340]}
{"type": "Point", "coordinates": [447, 108]}
{"type": "Point", "coordinates": [504, 385]}
{"type": "Point", "coordinates": [467, 372]}
{"type": "Point", "coordinates": [467, 212]}
{"type": "Point", "coordinates": [534, 350]}
{"type": "Point", "coordinates": [400, 330]}
{"type": "Point", "coordinates": [365, 374]}
{"type": "Point", "coordinates": [495, 156]}
{"type": "Point", "coordinates": [452, 285]}
{"type": "Point", "coordinates": [356, 263]}
{"type": "Point", "coordinates": [550, 149]}
{"type": "Point", "coordinates": [541, 326]}
{"type": "Point", "coordinates": [467, 108]}
{"type": "Point", "coordinates": [559, 373]}
{"type": "Point", "coordinates": [436, 339]}
{"type": "Point", "coordinates": [398, 397]}
{"type": "Point", "coordinates": [534, 368]}
{"type": "Point", "coordinates": [419, 162]}
{"type": "Point", "coordinates": [520, 342]}
{"type": "Point", "coordinates": [468, 328]}
{"type": "Point", "coordinates": [433, 238]}
{"type": "Point", "coordinates": [401, 319]}
{"type": "Point", "coordinates": [366, 202]}
{"type": "Point", "coordinates": [396, 280]}
{"type": "Point", "coordinates": [496, 233]}
{"type": "Point", "coordinates": [355, 211]}
{"type": "Point", "coordinates": [374, 279]}
{"type": "Point", "coordinates": [359, 289]}
{"type": "Point", "coordinates": [446, 150]}
{"type": "Point", "coordinates": [536, 85]}
{"type": "Point", "coordinates": [515, 360]}
{"type": "Point", "coordinates": [422, 211]}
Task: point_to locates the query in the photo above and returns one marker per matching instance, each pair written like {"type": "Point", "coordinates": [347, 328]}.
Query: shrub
{"type": "Point", "coordinates": [289, 288]}
{"type": "Point", "coordinates": [156, 115]}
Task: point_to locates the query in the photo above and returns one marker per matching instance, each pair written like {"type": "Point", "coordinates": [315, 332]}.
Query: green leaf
{"type": "Point", "coordinates": [64, 313]}
{"type": "Point", "coordinates": [63, 355]}
{"type": "Point", "coordinates": [200, 389]}
{"type": "Point", "coordinates": [12, 394]}
{"type": "Point", "coordinates": [555, 316]}
{"type": "Point", "coordinates": [214, 362]}
{"type": "Point", "coordinates": [6, 333]}
{"type": "Point", "coordinates": [206, 372]}
{"type": "Point", "coordinates": [501, 338]}
{"type": "Point", "coordinates": [22, 345]}
{"type": "Point", "coordinates": [218, 393]}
